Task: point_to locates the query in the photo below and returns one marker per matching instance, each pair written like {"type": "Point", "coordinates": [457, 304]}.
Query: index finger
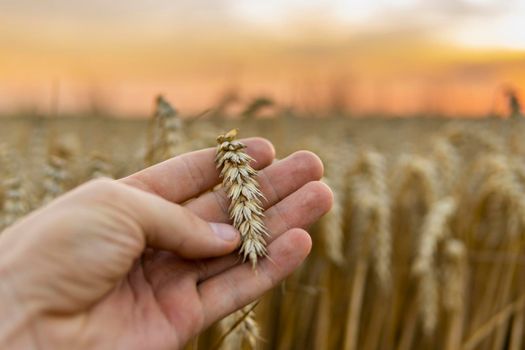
{"type": "Point", "coordinates": [189, 175]}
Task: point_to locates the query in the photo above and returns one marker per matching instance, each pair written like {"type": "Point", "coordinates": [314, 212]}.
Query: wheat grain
{"type": "Point", "coordinates": [369, 196]}
{"type": "Point", "coordinates": [99, 166]}
{"type": "Point", "coordinates": [500, 197]}
{"type": "Point", "coordinates": [475, 137]}
{"type": "Point", "coordinates": [165, 136]}
{"type": "Point", "coordinates": [336, 177]}
{"type": "Point", "coordinates": [245, 209]}
{"type": "Point", "coordinates": [332, 226]}
{"type": "Point", "coordinates": [55, 174]}
{"type": "Point", "coordinates": [434, 230]}
{"type": "Point", "coordinates": [417, 176]}
{"type": "Point", "coordinates": [15, 205]}
{"type": "Point", "coordinates": [448, 160]}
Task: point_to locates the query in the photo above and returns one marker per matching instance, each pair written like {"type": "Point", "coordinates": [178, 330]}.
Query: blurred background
{"type": "Point", "coordinates": [414, 106]}
{"type": "Point", "coordinates": [376, 57]}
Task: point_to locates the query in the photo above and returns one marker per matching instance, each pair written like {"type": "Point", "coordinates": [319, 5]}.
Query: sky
{"type": "Point", "coordinates": [399, 57]}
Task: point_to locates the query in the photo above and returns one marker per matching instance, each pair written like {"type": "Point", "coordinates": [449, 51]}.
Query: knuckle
{"type": "Point", "coordinates": [105, 186]}
{"type": "Point", "coordinates": [103, 189]}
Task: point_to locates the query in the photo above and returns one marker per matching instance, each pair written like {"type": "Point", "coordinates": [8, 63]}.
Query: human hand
{"type": "Point", "coordinates": [118, 264]}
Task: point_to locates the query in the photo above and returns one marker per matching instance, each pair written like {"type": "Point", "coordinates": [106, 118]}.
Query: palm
{"type": "Point", "coordinates": [145, 315]}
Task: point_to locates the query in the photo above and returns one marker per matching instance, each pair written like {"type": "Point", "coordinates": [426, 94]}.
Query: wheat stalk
{"type": "Point", "coordinates": [245, 209]}
{"type": "Point", "coordinates": [446, 155]}
{"type": "Point", "coordinates": [336, 171]}
{"type": "Point", "coordinates": [238, 180]}
{"type": "Point", "coordinates": [99, 166]}
{"type": "Point", "coordinates": [434, 230]}
{"type": "Point", "coordinates": [416, 179]}
{"type": "Point", "coordinates": [369, 197]}
{"type": "Point", "coordinates": [475, 136]}
{"type": "Point", "coordinates": [332, 226]}
{"type": "Point", "coordinates": [14, 205]}
{"type": "Point", "coordinates": [454, 281]}
{"type": "Point", "coordinates": [499, 188]}
{"type": "Point", "coordinates": [9, 162]}
{"type": "Point", "coordinates": [455, 274]}
{"type": "Point", "coordinates": [55, 175]}
{"type": "Point", "coordinates": [239, 329]}
{"type": "Point", "coordinates": [165, 135]}
{"type": "Point", "coordinates": [370, 208]}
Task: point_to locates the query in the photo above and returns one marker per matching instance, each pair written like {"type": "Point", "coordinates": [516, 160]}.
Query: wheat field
{"type": "Point", "coordinates": [423, 248]}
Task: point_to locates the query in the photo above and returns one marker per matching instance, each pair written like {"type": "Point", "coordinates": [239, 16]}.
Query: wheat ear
{"type": "Point", "coordinates": [56, 173]}
{"type": "Point", "coordinates": [165, 135]}
{"type": "Point", "coordinates": [238, 180]}
{"type": "Point", "coordinates": [435, 229]}
{"type": "Point", "coordinates": [99, 166]}
{"type": "Point", "coordinates": [332, 227]}
{"type": "Point", "coordinates": [455, 279]}
{"type": "Point", "coordinates": [15, 205]}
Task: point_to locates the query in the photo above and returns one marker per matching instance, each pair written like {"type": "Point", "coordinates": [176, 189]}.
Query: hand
{"type": "Point", "coordinates": [120, 265]}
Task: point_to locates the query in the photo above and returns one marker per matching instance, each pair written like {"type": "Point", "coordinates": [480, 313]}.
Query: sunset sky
{"type": "Point", "coordinates": [451, 57]}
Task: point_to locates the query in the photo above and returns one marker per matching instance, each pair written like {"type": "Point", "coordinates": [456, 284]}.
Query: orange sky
{"type": "Point", "coordinates": [446, 57]}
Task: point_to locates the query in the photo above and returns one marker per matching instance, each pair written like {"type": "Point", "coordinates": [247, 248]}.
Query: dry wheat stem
{"type": "Point", "coordinates": [488, 327]}
{"type": "Point", "coordinates": [455, 274]}
{"type": "Point", "coordinates": [454, 282]}
{"type": "Point", "coordinates": [239, 328]}
{"type": "Point", "coordinates": [370, 199]}
{"type": "Point", "coordinates": [14, 205]}
{"type": "Point", "coordinates": [478, 136]}
{"type": "Point", "coordinates": [99, 166]}
{"type": "Point", "coordinates": [448, 159]}
{"type": "Point", "coordinates": [56, 174]}
{"type": "Point", "coordinates": [245, 209]}
{"type": "Point", "coordinates": [417, 169]}
{"type": "Point", "coordinates": [332, 226]}
{"type": "Point", "coordinates": [238, 180]}
{"type": "Point", "coordinates": [435, 229]}
{"type": "Point", "coordinates": [499, 188]}
{"type": "Point", "coordinates": [517, 328]}
{"type": "Point", "coordinates": [165, 136]}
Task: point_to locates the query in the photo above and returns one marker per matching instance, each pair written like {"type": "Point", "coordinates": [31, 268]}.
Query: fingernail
{"type": "Point", "coordinates": [224, 231]}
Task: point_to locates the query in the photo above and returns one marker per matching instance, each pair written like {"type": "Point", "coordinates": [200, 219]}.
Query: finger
{"type": "Point", "coordinates": [299, 210]}
{"type": "Point", "coordinates": [188, 175]}
{"type": "Point", "coordinates": [239, 286]}
{"type": "Point", "coordinates": [276, 181]}
{"type": "Point", "coordinates": [159, 223]}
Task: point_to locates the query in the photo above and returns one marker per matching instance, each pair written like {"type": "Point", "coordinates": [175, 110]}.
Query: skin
{"type": "Point", "coordinates": [149, 261]}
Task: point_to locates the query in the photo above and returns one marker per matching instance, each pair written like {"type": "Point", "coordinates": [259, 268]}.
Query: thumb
{"type": "Point", "coordinates": [168, 226]}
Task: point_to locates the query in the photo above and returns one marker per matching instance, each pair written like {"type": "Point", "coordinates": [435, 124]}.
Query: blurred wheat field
{"type": "Point", "coordinates": [423, 248]}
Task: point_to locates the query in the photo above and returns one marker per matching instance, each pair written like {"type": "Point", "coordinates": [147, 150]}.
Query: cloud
{"type": "Point", "coordinates": [156, 20]}
{"type": "Point", "coordinates": [124, 12]}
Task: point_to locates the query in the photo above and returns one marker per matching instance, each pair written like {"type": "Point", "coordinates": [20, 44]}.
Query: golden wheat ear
{"type": "Point", "coordinates": [239, 182]}
{"type": "Point", "coordinates": [246, 212]}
